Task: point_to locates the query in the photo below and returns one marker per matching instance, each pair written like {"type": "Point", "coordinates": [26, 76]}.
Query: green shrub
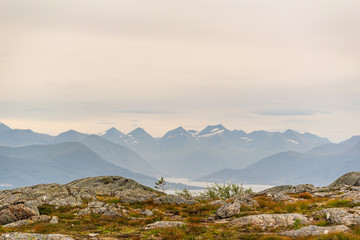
{"type": "Point", "coordinates": [339, 203]}
{"type": "Point", "coordinates": [107, 180]}
{"type": "Point", "coordinates": [323, 223]}
{"type": "Point", "coordinates": [46, 209]}
{"type": "Point", "coordinates": [224, 191]}
{"type": "Point", "coordinates": [113, 200]}
{"type": "Point", "coordinates": [184, 193]}
{"type": "Point", "coordinates": [297, 224]}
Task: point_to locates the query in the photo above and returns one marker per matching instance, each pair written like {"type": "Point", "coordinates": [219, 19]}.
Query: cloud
{"type": "Point", "coordinates": [142, 111]}
{"type": "Point", "coordinates": [289, 112]}
{"type": "Point", "coordinates": [106, 123]}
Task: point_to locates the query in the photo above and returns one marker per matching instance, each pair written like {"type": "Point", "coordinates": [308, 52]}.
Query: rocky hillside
{"type": "Point", "coordinates": [113, 207]}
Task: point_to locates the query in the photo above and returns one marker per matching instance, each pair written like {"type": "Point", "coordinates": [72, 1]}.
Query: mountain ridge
{"type": "Point", "coordinates": [213, 148]}
{"type": "Point", "coordinates": [314, 166]}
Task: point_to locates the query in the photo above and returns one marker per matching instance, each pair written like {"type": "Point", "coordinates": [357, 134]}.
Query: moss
{"type": "Point", "coordinates": [107, 180]}
{"type": "Point", "coordinates": [46, 209]}
{"type": "Point", "coordinates": [339, 203]}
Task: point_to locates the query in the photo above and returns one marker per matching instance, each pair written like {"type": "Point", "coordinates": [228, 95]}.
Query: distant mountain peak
{"type": "Point", "coordinates": [72, 133]}
{"type": "Point", "coordinates": [212, 130]}
{"type": "Point", "coordinates": [219, 126]}
{"type": "Point", "coordinates": [180, 131]}
{"type": "Point", "coordinates": [140, 134]}
{"type": "Point", "coordinates": [112, 132]}
{"type": "Point", "coordinates": [70, 136]}
{"type": "Point", "coordinates": [113, 129]}
{"type": "Point", "coordinates": [291, 131]}
{"type": "Point", "coordinates": [3, 127]}
{"type": "Point", "coordinates": [291, 134]}
{"type": "Point", "coordinates": [137, 130]}
{"type": "Point", "coordinates": [352, 141]}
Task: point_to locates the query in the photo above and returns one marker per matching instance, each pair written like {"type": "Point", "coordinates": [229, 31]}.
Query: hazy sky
{"type": "Point", "coordinates": [248, 64]}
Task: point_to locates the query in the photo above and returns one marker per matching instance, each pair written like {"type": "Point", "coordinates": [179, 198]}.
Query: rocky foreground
{"type": "Point", "coordinates": [119, 208]}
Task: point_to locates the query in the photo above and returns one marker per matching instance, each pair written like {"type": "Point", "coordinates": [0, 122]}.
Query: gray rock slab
{"type": "Point", "coordinates": [164, 224]}
{"type": "Point", "coordinates": [271, 220]}
{"type": "Point", "coordinates": [314, 231]}
{"type": "Point", "coordinates": [33, 236]}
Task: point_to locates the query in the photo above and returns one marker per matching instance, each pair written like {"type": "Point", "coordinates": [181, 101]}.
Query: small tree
{"type": "Point", "coordinates": [160, 185]}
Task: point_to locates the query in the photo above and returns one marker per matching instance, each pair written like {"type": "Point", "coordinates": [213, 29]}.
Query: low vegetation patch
{"type": "Point", "coordinates": [339, 203]}
{"type": "Point", "coordinates": [52, 210]}
{"type": "Point", "coordinates": [199, 218]}
{"type": "Point", "coordinates": [217, 191]}
{"type": "Point", "coordinates": [224, 191]}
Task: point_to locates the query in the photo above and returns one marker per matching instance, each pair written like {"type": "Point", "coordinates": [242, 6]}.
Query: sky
{"type": "Point", "coordinates": [249, 64]}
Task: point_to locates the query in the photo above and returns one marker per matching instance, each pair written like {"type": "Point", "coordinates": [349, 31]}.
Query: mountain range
{"type": "Point", "coordinates": [318, 166]}
{"type": "Point", "coordinates": [214, 153]}
{"type": "Point", "coordinates": [63, 162]}
{"type": "Point", "coordinates": [193, 153]}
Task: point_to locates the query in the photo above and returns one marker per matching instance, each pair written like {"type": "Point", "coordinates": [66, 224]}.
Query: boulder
{"type": "Point", "coordinates": [303, 188]}
{"type": "Point", "coordinates": [271, 220]}
{"type": "Point", "coordinates": [286, 189]}
{"type": "Point", "coordinates": [22, 203]}
{"type": "Point", "coordinates": [85, 211]}
{"type": "Point", "coordinates": [229, 209]}
{"type": "Point", "coordinates": [19, 223]}
{"type": "Point", "coordinates": [323, 194]}
{"type": "Point", "coordinates": [33, 236]}
{"type": "Point", "coordinates": [126, 189]}
{"type": "Point", "coordinates": [135, 195]}
{"type": "Point", "coordinates": [52, 194]}
{"type": "Point", "coordinates": [54, 220]}
{"type": "Point", "coordinates": [96, 204]}
{"type": "Point", "coordinates": [352, 195]}
{"type": "Point", "coordinates": [280, 197]}
{"type": "Point", "coordinates": [314, 230]}
{"type": "Point", "coordinates": [272, 191]}
{"type": "Point", "coordinates": [73, 193]}
{"type": "Point", "coordinates": [246, 200]}
{"type": "Point", "coordinates": [34, 219]}
{"type": "Point", "coordinates": [340, 216]}
{"type": "Point", "coordinates": [147, 212]}
{"type": "Point", "coordinates": [232, 208]}
{"type": "Point", "coordinates": [103, 208]}
{"type": "Point", "coordinates": [13, 213]}
{"type": "Point", "coordinates": [217, 202]}
{"type": "Point", "coordinates": [164, 224]}
{"type": "Point", "coordinates": [351, 178]}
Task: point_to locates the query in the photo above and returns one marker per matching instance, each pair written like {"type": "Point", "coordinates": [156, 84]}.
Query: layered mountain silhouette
{"type": "Point", "coordinates": [193, 153]}
{"type": "Point", "coordinates": [63, 162]}
{"type": "Point", "coordinates": [214, 153]}
{"type": "Point", "coordinates": [318, 166]}
{"type": "Point", "coordinates": [20, 137]}
{"type": "Point", "coordinates": [114, 153]}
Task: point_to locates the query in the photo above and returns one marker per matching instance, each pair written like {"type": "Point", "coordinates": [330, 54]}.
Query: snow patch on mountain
{"type": "Point", "coordinates": [292, 141]}
{"type": "Point", "coordinates": [193, 133]}
{"type": "Point", "coordinates": [213, 132]}
{"type": "Point", "coordinates": [247, 139]}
